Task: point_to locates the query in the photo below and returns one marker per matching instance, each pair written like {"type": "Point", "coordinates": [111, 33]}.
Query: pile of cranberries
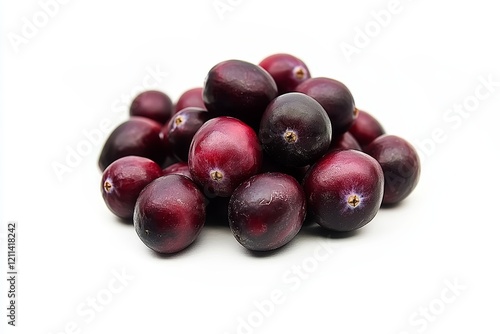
{"type": "Point", "coordinates": [260, 147]}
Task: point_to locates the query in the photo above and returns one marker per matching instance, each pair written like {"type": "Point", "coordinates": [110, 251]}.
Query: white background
{"type": "Point", "coordinates": [81, 68]}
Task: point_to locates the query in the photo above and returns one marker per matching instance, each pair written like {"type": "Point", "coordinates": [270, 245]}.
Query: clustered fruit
{"type": "Point", "coordinates": [259, 147]}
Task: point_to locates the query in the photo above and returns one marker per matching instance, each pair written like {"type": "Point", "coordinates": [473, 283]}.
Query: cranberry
{"type": "Point", "coordinates": [336, 98]}
{"type": "Point", "coordinates": [295, 130]}
{"type": "Point", "coordinates": [267, 211]}
{"type": "Point", "coordinates": [366, 128]}
{"type": "Point", "coordinates": [400, 163]}
{"type": "Point", "coordinates": [169, 214]}
{"type": "Point", "coordinates": [287, 71]}
{"type": "Point", "coordinates": [224, 152]}
{"type": "Point", "coordinates": [190, 98]}
{"type": "Point", "coordinates": [239, 89]}
{"type": "Point", "coordinates": [179, 168]}
{"type": "Point", "coordinates": [154, 105]}
{"type": "Point", "coordinates": [179, 131]}
{"type": "Point", "coordinates": [123, 180]}
{"type": "Point", "coordinates": [137, 136]}
{"type": "Point", "coordinates": [344, 142]}
{"type": "Point", "coordinates": [344, 190]}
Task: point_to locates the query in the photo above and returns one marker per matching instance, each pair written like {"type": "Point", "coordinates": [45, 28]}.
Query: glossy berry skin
{"type": "Point", "coordinates": [345, 142]}
{"type": "Point", "coordinates": [152, 104]}
{"type": "Point", "coordinates": [191, 98]}
{"type": "Point", "coordinates": [239, 89]}
{"type": "Point", "coordinates": [287, 71]}
{"type": "Point", "coordinates": [366, 128]}
{"type": "Point", "coordinates": [224, 152]}
{"type": "Point", "coordinates": [169, 214]}
{"type": "Point", "coordinates": [138, 136]}
{"type": "Point", "coordinates": [335, 98]}
{"type": "Point", "coordinates": [267, 211]}
{"type": "Point", "coordinates": [344, 190]}
{"type": "Point", "coordinates": [295, 130]}
{"type": "Point", "coordinates": [179, 168]}
{"type": "Point", "coordinates": [123, 180]}
{"type": "Point", "coordinates": [179, 131]}
{"type": "Point", "coordinates": [401, 166]}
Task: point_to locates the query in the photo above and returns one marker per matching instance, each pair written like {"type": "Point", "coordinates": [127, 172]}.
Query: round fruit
{"type": "Point", "coordinates": [123, 180]}
{"type": "Point", "coordinates": [239, 89]}
{"type": "Point", "coordinates": [267, 211]}
{"type": "Point", "coordinates": [287, 71]}
{"type": "Point", "coordinates": [224, 152]}
{"type": "Point", "coordinates": [295, 130]}
{"type": "Point", "coordinates": [138, 136]}
{"type": "Point", "coordinates": [154, 105]}
{"type": "Point", "coordinates": [344, 142]}
{"type": "Point", "coordinates": [190, 98]}
{"type": "Point", "coordinates": [344, 190]}
{"type": "Point", "coordinates": [179, 168]}
{"type": "Point", "coordinates": [366, 128]}
{"type": "Point", "coordinates": [336, 98]}
{"type": "Point", "coordinates": [169, 214]}
{"type": "Point", "coordinates": [179, 131]}
{"type": "Point", "coordinates": [400, 163]}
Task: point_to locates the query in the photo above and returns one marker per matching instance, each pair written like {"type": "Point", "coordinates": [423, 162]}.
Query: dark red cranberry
{"type": "Point", "coordinates": [287, 71]}
{"type": "Point", "coordinates": [154, 105]}
{"type": "Point", "coordinates": [336, 98]}
{"type": "Point", "coordinates": [401, 166]}
{"type": "Point", "coordinates": [267, 211]}
{"type": "Point", "coordinates": [137, 136]}
{"type": "Point", "coordinates": [123, 180]}
{"type": "Point", "coordinates": [239, 89]}
{"type": "Point", "coordinates": [190, 98]}
{"type": "Point", "coordinates": [224, 152]}
{"type": "Point", "coordinates": [179, 131]}
{"type": "Point", "coordinates": [295, 130]}
{"type": "Point", "coordinates": [345, 142]}
{"type": "Point", "coordinates": [169, 214]}
{"type": "Point", "coordinates": [344, 190]}
{"type": "Point", "coordinates": [179, 168]}
{"type": "Point", "coordinates": [366, 128]}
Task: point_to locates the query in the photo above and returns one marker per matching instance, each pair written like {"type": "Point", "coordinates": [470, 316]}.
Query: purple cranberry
{"type": "Point", "coordinates": [269, 165]}
{"type": "Point", "coordinates": [239, 89]}
{"type": "Point", "coordinates": [169, 214]}
{"type": "Point", "coordinates": [295, 130]}
{"type": "Point", "coordinates": [154, 105]}
{"type": "Point", "coordinates": [366, 128]}
{"type": "Point", "coordinates": [179, 131]}
{"type": "Point", "coordinates": [190, 98]}
{"type": "Point", "coordinates": [123, 180]}
{"type": "Point", "coordinates": [344, 190]}
{"type": "Point", "coordinates": [287, 71]}
{"type": "Point", "coordinates": [138, 136]}
{"type": "Point", "coordinates": [267, 211]}
{"type": "Point", "coordinates": [401, 166]}
{"type": "Point", "coordinates": [336, 98]}
{"type": "Point", "coordinates": [345, 142]}
{"type": "Point", "coordinates": [179, 168]}
{"type": "Point", "coordinates": [224, 152]}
